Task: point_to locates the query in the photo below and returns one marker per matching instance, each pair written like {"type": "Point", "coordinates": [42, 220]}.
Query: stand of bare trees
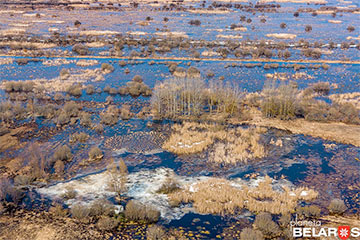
{"type": "Point", "coordinates": [193, 97]}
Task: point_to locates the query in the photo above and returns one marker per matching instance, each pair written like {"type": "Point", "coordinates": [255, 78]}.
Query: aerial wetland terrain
{"type": "Point", "coordinates": [179, 119]}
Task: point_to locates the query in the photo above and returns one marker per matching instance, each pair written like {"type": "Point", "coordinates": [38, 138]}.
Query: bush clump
{"type": "Point", "coordinates": [337, 207]}
{"type": "Point", "coordinates": [251, 234]}
{"type": "Point", "coordinates": [350, 28]}
{"type": "Point", "coordinates": [102, 207]}
{"type": "Point", "coordinates": [137, 211]}
{"type": "Point", "coordinates": [90, 89]}
{"type": "Point", "coordinates": [155, 232]}
{"type": "Point", "coordinates": [62, 153]}
{"type": "Point", "coordinates": [80, 212]}
{"type": "Point", "coordinates": [266, 225]}
{"type": "Point", "coordinates": [279, 102]}
{"type": "Point", "coordinates": [195, 22]}
{"type": "Point", "coordinates": [18, 86]}
{"type": "Point", "coordinates": [64, 74]}
{"type": "Point", "coordinates": [106, 223]}
{"type": "Point", "coordinates": [311, 211]}
{"type": "Point", "coordinates": [80, 49]}
{"type": "Point", "coordinates": [95, 153]}
{"type": "Point", "coordinates": [322, 88]}
{"type": "Point", "coordinates": [107, 68]}
{"type": "Point", "coordinates": [75, 90]}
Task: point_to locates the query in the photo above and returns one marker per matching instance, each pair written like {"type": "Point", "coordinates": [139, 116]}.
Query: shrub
{"type": "Point", "coordinates": [77, 23]}
{"type": "Point", "coordinates": [322, 88]}
{"type": "Point", "coordinates": [62, 153]}
{"type": "Point", "coordinates": [169, 186]}
{"type": "Point", "coordinates": [251, 234]}
{"type": "Point", "coordinates": [105, 67]}
{"type": "Point", "coordinates": [137, 78]}
{"type": "Point", "coordinates": [90, 89]}
{"type": "Point", "coordinates": [283, 25]}
{"type": "Point", "coordinates": [308, 28]}
{"type": "Point", "coordinates": [125, 112]}
{"type": "Point", "coordinates": [101, 207]}
{"type": "Point", "coordinates": [137, 211]}
{"type": "Point", "coordinates": [287, 54]}
{"type": "Point", "coordinates": [155, 232]}
{"type": "Point", "coordinates": [122, 63]}
{"type": "Point", "coordinates": [195, 22]}
{"type": "Point", "coordinates": [59, 167]}
{"type": "Point", "coordinates": [351, 28]}
{"type": "Point", "coordinates": [346, 113]}
{"type": "Point", "coordinates": [106, 223]}
{"type": "Point", "coordinates": [19, 86]}
{"type": "Point", "coordinates": [70, 193]}
{"type": "Point", "coordinates": [279, 102]}
{"type": "Point", "coordinates": [266, 225]}
{"type": "Point", "coordinates": [80, 212]}
{"type": "Point", "coordinates": [311, 211]}
{"type": "Point", "coordinates": [62, 119]}
{"type": "Point", "coordinates": [99, 128]}
{"type": "Point", "coordinates": [75, 90]}
{"type": "Point", "coordinates": [85, 119]}
{"type": "Point", "coordinates": [109, 118]}
{"type": "Point", "coordinates": [80, 49]}
{"type": "Point", "coordinates": [113, 91]}
{"type": "Point", "coordinates": [337, 207]}
{"type": "Point", "coordinates": [193, 72]}
{"type": "Point", "coordinates": [23, 180]}
{"type": "Point", "coordinates": [71, 109]}
{"type": "Point", "coordinates": [95, 153]}
{"type": "Point", "coordinates": [296, 14]}
{"type": "Point", "coordinates": [58, 97]}
{"type": "Point", "coordinates": [59, 211]}
{"type": "Point", "coordinates": [79, 137]}
{"type": "Point", "coordinates": [345, 45]}
{"type": "Point", "coordinates": [64, 74]}
{"type": "Point", "coordinates": [325, 66]}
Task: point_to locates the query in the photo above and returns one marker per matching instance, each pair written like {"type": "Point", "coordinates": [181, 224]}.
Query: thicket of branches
{"type": "Point", "coordinates": [177, 97]}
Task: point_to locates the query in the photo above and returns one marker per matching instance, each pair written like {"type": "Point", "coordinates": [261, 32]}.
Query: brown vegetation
{"type": "Point", "coordinates": [219, 196]}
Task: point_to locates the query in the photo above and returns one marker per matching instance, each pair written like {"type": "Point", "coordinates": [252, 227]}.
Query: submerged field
{"type": "Point", "coordinates": [178, 120]}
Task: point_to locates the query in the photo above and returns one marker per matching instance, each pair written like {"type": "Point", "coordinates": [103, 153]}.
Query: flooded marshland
{"type": "Point", "coordinates": [178, 120]}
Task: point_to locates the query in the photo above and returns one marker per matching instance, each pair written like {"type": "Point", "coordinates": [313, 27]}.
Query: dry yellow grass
{"type": "Point", "coordinates": [231, 145]}
{"type": "Point", "coordinates": [220, 196]}
{"type": "Point", "coordinates": [240, 145]}
{"type": "Point", "coordinates": [353, 98]}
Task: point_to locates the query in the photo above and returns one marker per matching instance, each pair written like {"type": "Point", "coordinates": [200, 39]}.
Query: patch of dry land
{"type": "Point", "coordinates": [339, 132]}
{"type": "Point", "coordinates": [281, 35]}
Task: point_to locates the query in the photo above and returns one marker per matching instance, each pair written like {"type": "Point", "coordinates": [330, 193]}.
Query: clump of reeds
{"type": "Point", "coordinates": [219, 196]}
{"type": "Point", "coordinates": [231, 145]}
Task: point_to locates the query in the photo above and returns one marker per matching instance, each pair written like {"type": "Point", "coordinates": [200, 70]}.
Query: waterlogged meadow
{"type": "Point", "coordinates": [178, 120]}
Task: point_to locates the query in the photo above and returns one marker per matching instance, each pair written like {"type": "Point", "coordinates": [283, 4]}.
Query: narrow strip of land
{"type": "Point", "coordinates": [262, 60]}
{"type": "Point", "coordinates": [333, 131]}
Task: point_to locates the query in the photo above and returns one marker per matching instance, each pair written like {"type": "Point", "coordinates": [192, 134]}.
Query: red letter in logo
{"type": "Point", "coordinates": [343, 232]}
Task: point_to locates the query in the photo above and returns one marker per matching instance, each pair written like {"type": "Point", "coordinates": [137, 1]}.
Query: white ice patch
{"type": "Point", "coordinates": [142, 186]}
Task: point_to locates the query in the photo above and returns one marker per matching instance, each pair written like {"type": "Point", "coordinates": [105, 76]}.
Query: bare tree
{"type": "Point", "coordinates": [118, 176]}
